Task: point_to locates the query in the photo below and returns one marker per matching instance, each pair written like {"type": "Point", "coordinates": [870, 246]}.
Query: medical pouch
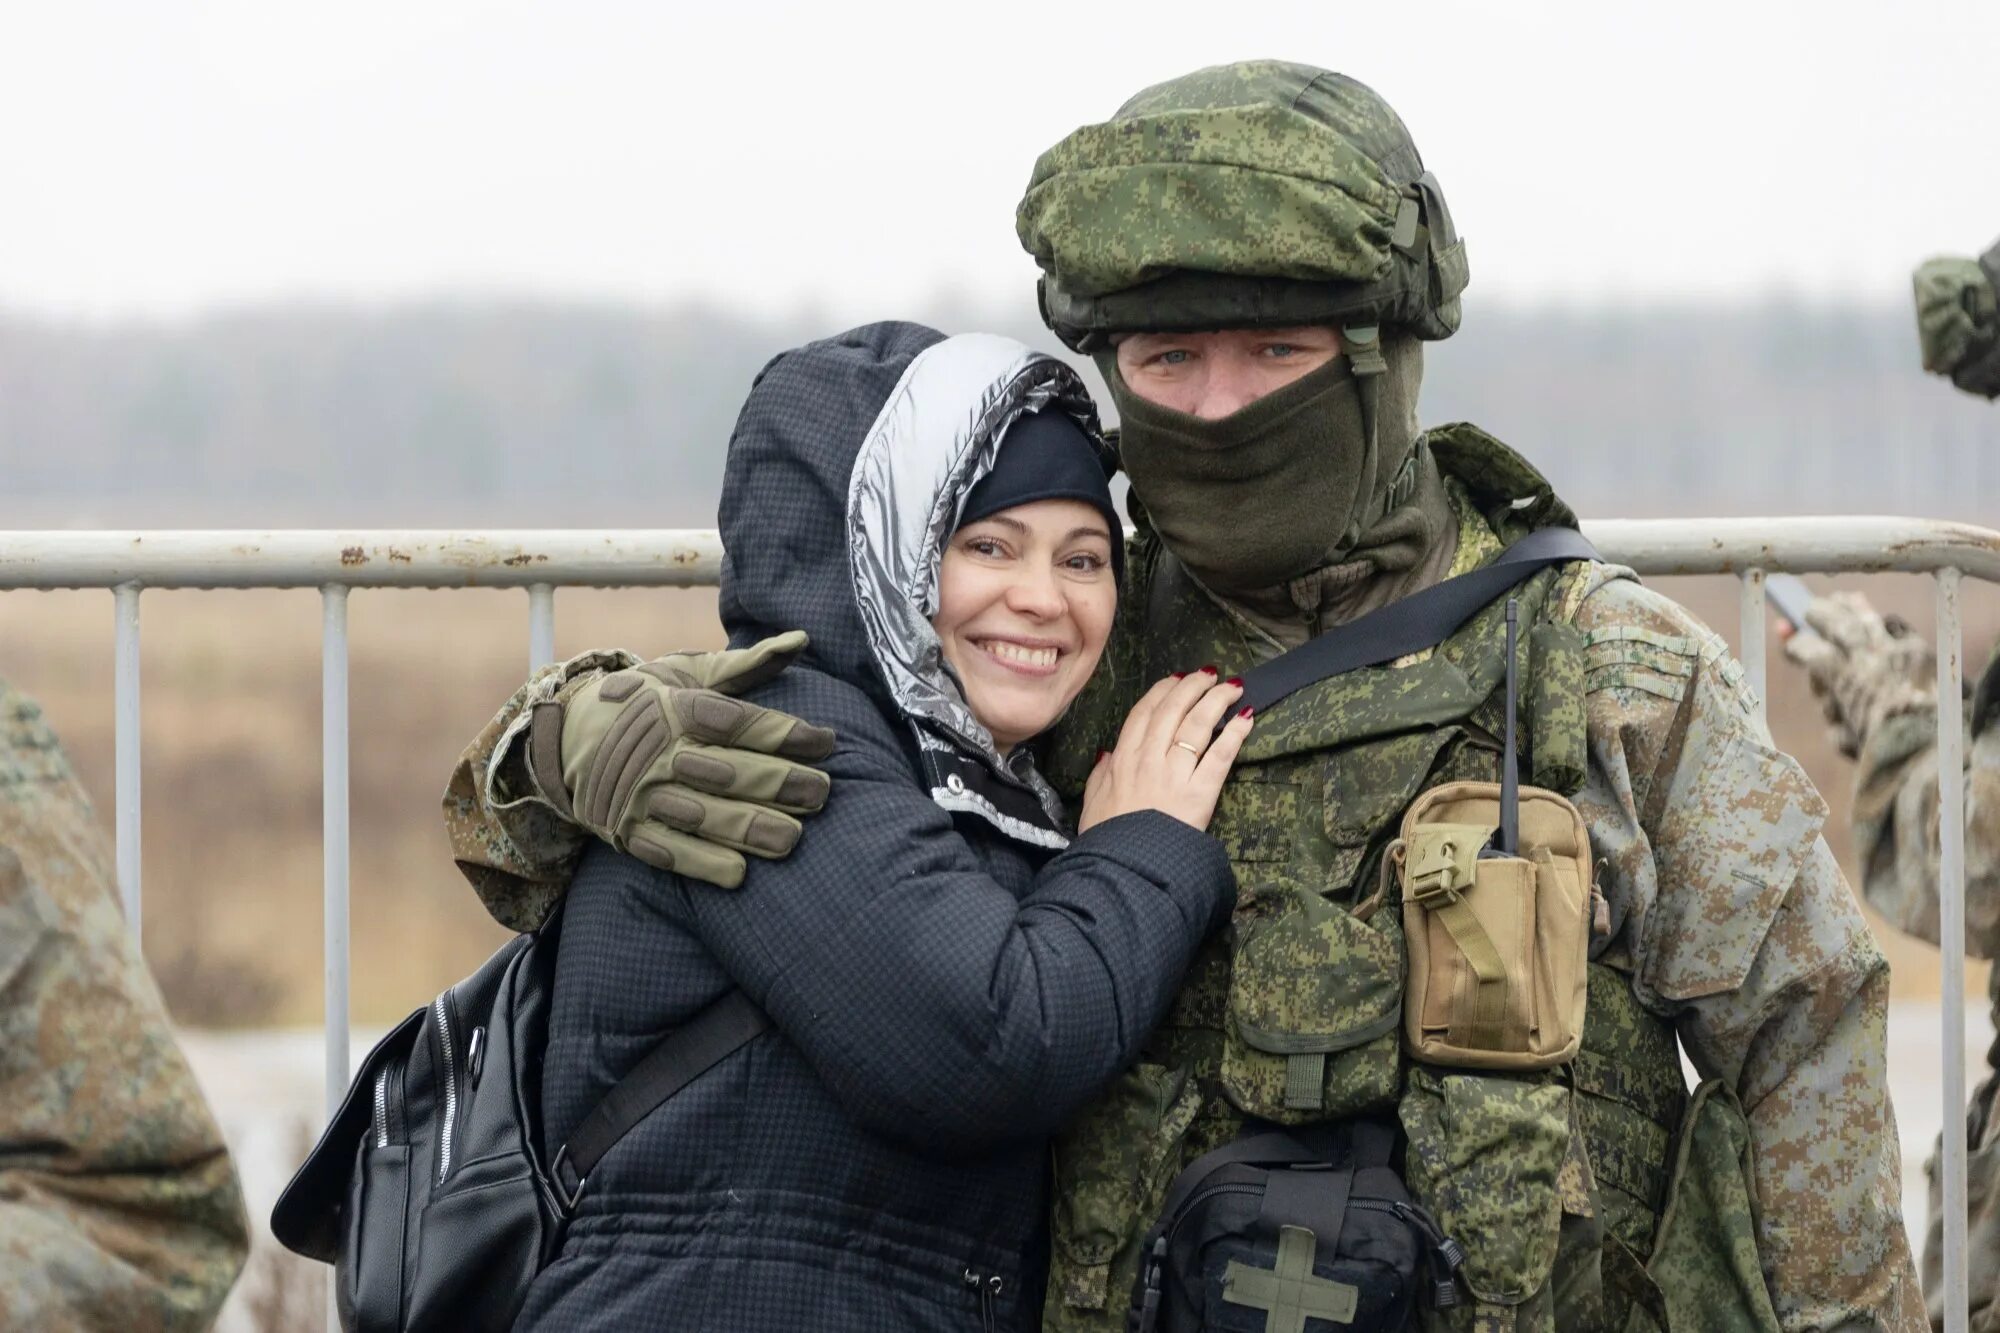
{"type": "Point", "coordinates": [1314, 995]}
{"type": "Point", "coordinates": [1498, 945]}
{"type": "Point", "coordinates": [1293, 1229]}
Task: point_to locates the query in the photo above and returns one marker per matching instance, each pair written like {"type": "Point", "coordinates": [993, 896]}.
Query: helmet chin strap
{"type": "Point", "coordinates": [1361, 344]}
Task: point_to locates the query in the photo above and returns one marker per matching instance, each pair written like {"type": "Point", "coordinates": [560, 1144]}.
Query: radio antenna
{"type": "Point", "coordinates": [1510, 761]}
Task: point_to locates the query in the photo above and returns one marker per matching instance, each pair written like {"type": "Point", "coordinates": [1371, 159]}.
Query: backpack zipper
{"type": "Point", "coordinates": [382, 1108]}
{"type": "Point", "coordinates": [450, 1086]}
{"type": "Point", "coordinates": [386, 1127]}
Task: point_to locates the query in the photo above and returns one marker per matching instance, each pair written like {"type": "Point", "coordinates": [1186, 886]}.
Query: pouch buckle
{"type": "Point", "coordinates": [1441, 861]}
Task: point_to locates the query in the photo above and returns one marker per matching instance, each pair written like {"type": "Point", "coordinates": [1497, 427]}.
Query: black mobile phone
{"type": "Point", "coordinates": [1789, 596]}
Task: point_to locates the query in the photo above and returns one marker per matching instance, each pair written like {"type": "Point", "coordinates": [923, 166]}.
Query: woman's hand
{"type": "Point", "coordinates": [1170, 758]}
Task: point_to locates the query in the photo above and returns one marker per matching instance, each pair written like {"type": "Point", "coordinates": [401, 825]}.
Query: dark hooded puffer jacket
{"type": "Point", "coordinates": [948, 982]}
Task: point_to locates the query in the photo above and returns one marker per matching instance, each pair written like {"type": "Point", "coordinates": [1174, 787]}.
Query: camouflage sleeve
{"type": "Point", "coordinates": [1896, 824]}
{"type": "Point", "coordinates": [119, 1208]}
{"type": "Point", "coordinates": [1732, 918]}
{"type": "Point", "coordinates": [505, 836]}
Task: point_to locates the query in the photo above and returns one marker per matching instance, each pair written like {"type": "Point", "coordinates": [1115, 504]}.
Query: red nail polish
{"type": "Point", "coordinates": [1212, 670]}
{"type": "Point", "coordinates": [1237, 681]}
{"type": "Point", "coordinates": [1247, 712]}
{"type": "Point", "coordinates": [1100, 756]}
{"type": "Point", "coordinates": [1180, 675]}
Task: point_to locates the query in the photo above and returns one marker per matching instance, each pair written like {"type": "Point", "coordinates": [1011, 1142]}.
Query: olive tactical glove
{"type": "Point", "coordinates": [1862, 667]}
{"type": "Point", "coordinates": [661, 762]}
{"type": "Point", "coordinates": [1958, 320]}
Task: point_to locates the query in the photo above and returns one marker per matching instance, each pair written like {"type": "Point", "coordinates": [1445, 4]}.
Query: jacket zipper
{"type": "Point", "coordinates": [450, 1086]}
{"type": "Point", "coordinates": [987, 1289]}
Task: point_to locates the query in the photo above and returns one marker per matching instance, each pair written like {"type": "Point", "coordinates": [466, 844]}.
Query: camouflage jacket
{"type": "Point", "coordinates": [1896, 819]}
{"type": "Point", "coordinates": [118, 1205]}
{"type": "Point", "coordinates": [1730, 916]}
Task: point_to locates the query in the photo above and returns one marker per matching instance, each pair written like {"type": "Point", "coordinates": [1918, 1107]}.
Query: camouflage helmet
{"type": "Point", "coordinates": [1264, 193]}
{"type": "Point", "coordinates": [1958, 320]}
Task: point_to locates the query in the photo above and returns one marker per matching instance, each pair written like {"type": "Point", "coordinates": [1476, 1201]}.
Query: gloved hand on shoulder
{"type": "Point", "coordinates": [663, 762]}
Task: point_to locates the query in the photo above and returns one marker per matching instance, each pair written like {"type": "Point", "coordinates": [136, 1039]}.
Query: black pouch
{"type": "Point", "coordinates": [1306, 1230]}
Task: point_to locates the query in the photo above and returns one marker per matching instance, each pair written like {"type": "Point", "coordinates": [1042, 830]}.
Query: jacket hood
{"type": "Point", "coordinates": [848, 467]}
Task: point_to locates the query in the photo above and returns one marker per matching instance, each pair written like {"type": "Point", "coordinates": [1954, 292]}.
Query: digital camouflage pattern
{"type": "Point", "coordinates": [1731, 918]}
{"type": "Point", "coordinates": [1896, 843]}
{"type": "Point", "coordinates": [119, 1208]}
{"type": "Point", "coordinates": [1713, 1186]}
{"type": "Point", "coordinates": [1730, 925]}
{"type": "Point", "coordinates": [1351, 229]}
{"type": "Point", "coordinates": [1331, 209]}
{"type": "Point", "coordinates": [511, 844]}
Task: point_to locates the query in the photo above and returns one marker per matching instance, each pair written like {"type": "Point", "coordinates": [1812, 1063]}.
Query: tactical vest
{"type": "Point", "coordinates": [1552, 1182]}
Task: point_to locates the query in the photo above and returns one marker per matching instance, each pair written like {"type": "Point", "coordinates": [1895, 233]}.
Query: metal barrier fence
{"type": "Point", "coordinates": [127, 563]}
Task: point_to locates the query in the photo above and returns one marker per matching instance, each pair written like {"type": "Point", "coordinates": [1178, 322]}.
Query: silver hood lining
{"type": "Point", "coordinates": [935, 437]}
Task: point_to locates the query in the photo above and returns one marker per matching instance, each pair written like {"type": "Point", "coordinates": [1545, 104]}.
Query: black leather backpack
{"type": "Point", "coordinates": [429, 1192]}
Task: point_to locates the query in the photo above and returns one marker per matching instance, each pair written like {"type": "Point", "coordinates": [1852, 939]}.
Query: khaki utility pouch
{"type": "Point", "coordinates": [1498, 945]}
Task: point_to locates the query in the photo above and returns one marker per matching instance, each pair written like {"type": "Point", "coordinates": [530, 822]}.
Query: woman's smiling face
{"type": "Point", "coordinates": [1025, 601]}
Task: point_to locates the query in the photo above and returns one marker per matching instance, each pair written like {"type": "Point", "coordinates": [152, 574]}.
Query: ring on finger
{"type": "Point", "coordinates": [1180, 744]}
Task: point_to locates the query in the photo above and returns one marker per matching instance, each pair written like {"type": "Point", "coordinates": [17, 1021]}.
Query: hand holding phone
{"type": "Point", "coordinates": [1789, 597]}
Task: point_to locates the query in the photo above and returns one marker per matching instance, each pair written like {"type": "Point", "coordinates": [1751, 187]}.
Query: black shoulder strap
{"type": "Point", "coordinates": [689, 1053]}
{"type": "Point", "coordinates": [1421, 620]}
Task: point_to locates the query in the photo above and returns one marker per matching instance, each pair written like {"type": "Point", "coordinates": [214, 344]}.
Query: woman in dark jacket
{"type": "Point", "coordinates": [948, 974]}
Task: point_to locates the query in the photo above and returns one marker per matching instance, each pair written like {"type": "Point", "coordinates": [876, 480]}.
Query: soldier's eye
{"type": "Point", "coordinates": [1281, 349]}
{"type": "Point", "coordinates": [1178, 356]}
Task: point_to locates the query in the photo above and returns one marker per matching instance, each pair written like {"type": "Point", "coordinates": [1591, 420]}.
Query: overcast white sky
{"type": "Point", "coordinates": [166, 159]}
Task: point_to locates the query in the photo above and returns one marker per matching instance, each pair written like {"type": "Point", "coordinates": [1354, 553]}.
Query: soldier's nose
{"type": "Point", "coordinates": [1225, 389]}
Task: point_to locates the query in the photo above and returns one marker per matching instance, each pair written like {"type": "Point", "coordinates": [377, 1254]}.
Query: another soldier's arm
{"type": "Point", "coordinates": [506, 836]}
{"type": "Point", "coordinates": [1879, 683]}
{"type": "Point", "coordinates": [656, 758]}
{"type": "Point", "coordinates": [118, 1205]}
{"type": "Point", "coordinates": [1732, 917]}
{"type": "Point", "coordinates": [1896, 822]}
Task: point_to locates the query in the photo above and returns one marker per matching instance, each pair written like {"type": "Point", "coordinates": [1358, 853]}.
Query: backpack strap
{"type": "Point", "coordinates": [1411, 624]}
{"type": "Point", "coordinates": [694, 1048]}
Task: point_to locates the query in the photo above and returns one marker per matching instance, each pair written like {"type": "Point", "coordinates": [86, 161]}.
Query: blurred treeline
{"type": "Point", "coordinates": [537, 416]}
{"type": "Point", "coordinates": [549, 415]}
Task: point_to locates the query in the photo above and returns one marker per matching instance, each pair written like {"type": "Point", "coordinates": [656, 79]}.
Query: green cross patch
{"type": "Point", "coordinates": [1290, 1294]}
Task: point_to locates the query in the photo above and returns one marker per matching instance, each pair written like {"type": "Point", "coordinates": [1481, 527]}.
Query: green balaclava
{"type": "Point", "coordinates": [1259, 195]}
{"type": "Point", "coordinates": [1301, 478]}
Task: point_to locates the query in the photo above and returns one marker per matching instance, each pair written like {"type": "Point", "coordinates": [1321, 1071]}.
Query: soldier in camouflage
{"type": "Point", "coordinates": [1254, 254]}
{"type": "Point", "coordinates": [1879, 683]}
{"type": "Point", "coordinates": [1958, 319]}
{"type": "Point", "coordinates": [119, 1209]}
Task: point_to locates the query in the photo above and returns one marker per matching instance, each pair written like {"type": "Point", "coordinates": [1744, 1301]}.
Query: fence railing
{"type": "Point", "coordinates": [334, 563]}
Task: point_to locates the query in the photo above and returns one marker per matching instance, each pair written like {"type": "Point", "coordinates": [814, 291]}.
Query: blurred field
{"type": "Point", "coordinates": [232, 765]}
{"type": "Point", "coordinates": [231, 700]}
